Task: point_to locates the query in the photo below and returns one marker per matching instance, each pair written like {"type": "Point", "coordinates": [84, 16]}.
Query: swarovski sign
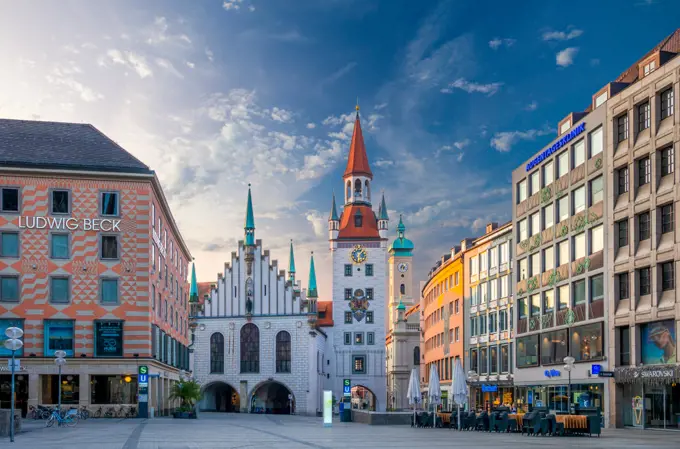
{"type": "Point", "coordinates": [655, 373]}
{"type": "Point", "coordinates": [70, 224]}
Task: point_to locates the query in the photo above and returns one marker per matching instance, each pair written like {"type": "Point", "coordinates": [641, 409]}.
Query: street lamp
{"type": "Point", "coordinates": [569, 365]}
{"type": "Point", "coordinates": [13, 343]}
{"type": "Point", "coordinates": [60, 361]}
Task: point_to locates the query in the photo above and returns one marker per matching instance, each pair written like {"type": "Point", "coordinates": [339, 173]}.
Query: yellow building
{"type": "Point", "coordinates": [442, 306]}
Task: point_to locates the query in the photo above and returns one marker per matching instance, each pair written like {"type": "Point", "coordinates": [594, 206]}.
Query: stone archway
{"type": "Point", "coordinates": [363, 398]}
{"type": "Point", "coordinates": [220, 397]}
{"type": "Point", "coordinates": [272, 397]}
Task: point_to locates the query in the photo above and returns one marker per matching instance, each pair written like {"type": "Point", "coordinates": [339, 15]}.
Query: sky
{"type": "Point", "coordinates": [214, 95]}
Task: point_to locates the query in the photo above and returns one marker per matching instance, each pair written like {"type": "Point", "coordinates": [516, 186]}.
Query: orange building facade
{"type": "Point", "coordinates": [91, 263]}
{"type": "Point", "coordinates": [443, 337]}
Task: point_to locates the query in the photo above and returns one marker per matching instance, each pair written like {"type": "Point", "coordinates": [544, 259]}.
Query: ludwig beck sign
{"type": "Point", "coordinates": [70, 224]}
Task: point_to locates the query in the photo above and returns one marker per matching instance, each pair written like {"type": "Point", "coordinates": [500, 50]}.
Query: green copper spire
{"type": "Point", "coordinates": [334, 211]}
{"type": "Point", "coordinates": [311, 289]}
{"type": "Point", "coordinates": [401, 245]}
{"type": "Point", "coordinates": [383, 209]}
{"type": "Point", "coordinates": [401, 306]}
{"type": "Point", "coordinates": [401, 228]}
{"type": "Point", "coordinates": [193, 290]}
{"type": "Point", "coordinates": [291, 263]}
{"type": "Point", "coordinates": [250, 221]}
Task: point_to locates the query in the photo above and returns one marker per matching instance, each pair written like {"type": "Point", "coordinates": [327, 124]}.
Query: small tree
{"type": "Point", "coordinates": [188, 392]}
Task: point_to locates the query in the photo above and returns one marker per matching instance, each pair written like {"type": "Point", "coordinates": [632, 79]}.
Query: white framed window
{"type": "Point", "coordinates": [535, 223]}
{"type": "Point", "coordinates": [548, 258]}
{"type": "Point", "coordinates": [548, 173]}
{"type": "Point", "coordinates": [483, 293]}
{"type": "Point", "coordinates": [535, 182]}
{"type": "Point", "coordinates": [474, 297]}
{"type": "Point", "coordinates": [563, 252]}
{"type": "Point", "coordinates": [562, 164]}
{"type": "Point", "coordinates": [521, 191]}
{"type": "Point", "coordinates": [474, 266]}
{"type": "Point", "coordinates": [505, 253]}
{"type": "Point", "coordinates": [579, 246]}
{"type": "Point", "coordinates": [505, 286]}
{"type": "Point", "coordinates": [493, 286]}
{"type": "Point", "coordinates": [596, 142]}
{"type": "Point", "coordinates": [536, 263]}
{"type": "Point", "coordinates": [600, 99]}
{"type": "Point", "coordinates": [596, 239]}
{"type": "Point", "coordinates": [484, 261]}
{"type": "Point", "coordinates": [523, 271]}
{"type": "Point", "coordinates": [493, 257]}
{"type": "Point", "coordinates": [523, 231]}
{"type": "Point", "coordinates": [579, 199]}
{"type": "Point", "coordinates": [548, 216]}
{"type": "Point", "coordinates": [563, 208]}
{"type": "Point", "coordinates": [579, 153]}
{"type": "Point", "coordinates": [565, 127]}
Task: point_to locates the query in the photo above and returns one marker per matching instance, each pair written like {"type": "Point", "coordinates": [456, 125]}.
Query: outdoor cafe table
{"type": "Point", "coordinates": [517, 417]}
{"type": "Point", "coordinates": [573, 421]}
{"type": "Point", "coordinates": [446, 418]}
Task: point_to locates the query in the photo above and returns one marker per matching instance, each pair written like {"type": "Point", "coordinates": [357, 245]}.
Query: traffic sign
{"type": "Point", "coordinates": [606, 374]}
{"type": "Point", "coordinates": [143, 379]}
{"type": "Point", "coordinates": [143, 369]}
{"type": "Point", "coordinates": [347, 387]}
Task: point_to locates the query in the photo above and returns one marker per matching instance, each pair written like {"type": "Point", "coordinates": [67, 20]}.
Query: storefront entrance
{"type": "Point", "coordinates": [20, 392]}
{"type": "Point", "coordinates": [650, 403]}
{"type": "Point", "coordinates": [556, 398]}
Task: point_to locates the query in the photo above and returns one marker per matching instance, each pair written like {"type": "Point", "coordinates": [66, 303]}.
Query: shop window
{"type": "Point", "coordinates": [527, 351]}
{"type": "Point", "coordinates": [61, 203]}
{"type": "Point", "coordinates": [109, 248]}
{"type": "Point", "coordinates": [9, 244]}
{"type": "Point", "coordinates": [59, 336]}
{"type": "Point", "coordinates": [283, 352]}
{"type": "Point", "coordinates": [10, 200]}
{"type": "Point", "coordinates": [70, 389]}
{"type": "Point", "coordinates": [109, 291]}
{"type": "Point", "coordinates": [4, 324]}
{"type": "Point", "coordinates": [113, 389]}
{"type": "Point", "coordinates": [658, 342]}
{"type": "Point", "coordinates": [587, 342]}
{"type": "Point", "coordinates": [60, 289]}
{"type": "Point", "coordinates": [59, 246]}
{"type": "Point", "coordinates": [109, 206]}
{"type": "Point", "coordinates": [358, 364]}
{"type": "Point", "coordinates": [554, 347]}
{"type": "Point", "coordinates": [108, 338]}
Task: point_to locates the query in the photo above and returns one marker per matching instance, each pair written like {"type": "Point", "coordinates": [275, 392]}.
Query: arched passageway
{"type": "Point", "coordinates": [220, 397]}
{"type": "Point", "coordinates": [363, 398]}
{"type": "Point", "coordinates": [272, 397]}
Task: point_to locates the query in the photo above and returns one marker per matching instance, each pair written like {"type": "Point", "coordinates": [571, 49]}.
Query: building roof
{"type": "Point", "coordinates": [411, 310]}
{"type": "Point", "coordinates": [401, 244]}
{"type": "Point", "coordinates": [369, 225]}
{"type": "Point", "coordinates": [357, 162]}
{"type": "Point", "coordinates": [68, 146]}
{"type": "Point", "coordinates": [204, 289]}
{"type": "Point", "coordinates": [327, 308]}
{"type": "Point", "coordinates": [670, 43]}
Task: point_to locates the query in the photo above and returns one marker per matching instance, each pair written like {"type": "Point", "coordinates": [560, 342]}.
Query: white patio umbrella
{"type": "Point", "coordinates": [414, 391]}
{"type": "Point", "coordinates": [459, 386]}
{"type": "Point", "coordinates": [434, 392]}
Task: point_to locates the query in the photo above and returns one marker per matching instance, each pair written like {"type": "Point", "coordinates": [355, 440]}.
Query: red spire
{"type": "Point", "coordinates": [357, 163]}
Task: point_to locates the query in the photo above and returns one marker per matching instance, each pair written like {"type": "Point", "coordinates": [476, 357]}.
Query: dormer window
{"type": "Point", "coordinates": [565, 127]}
{"type": "Point", "coordinates": [358, 219]}
{"type": "Point", "coordinates": [649, 67]}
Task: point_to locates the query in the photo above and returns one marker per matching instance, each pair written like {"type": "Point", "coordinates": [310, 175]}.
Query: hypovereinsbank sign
{"type": "Point", "coordinates": [70, 224]}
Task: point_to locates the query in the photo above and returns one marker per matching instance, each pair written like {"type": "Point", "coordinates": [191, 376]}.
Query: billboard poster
{"type": "Point", "coordinates": [658, 341]}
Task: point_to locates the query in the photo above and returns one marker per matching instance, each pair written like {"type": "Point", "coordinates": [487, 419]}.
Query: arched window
{"type": "Point", "coordinates": [348, 194]}
{"type": "Point", "coordinates": [283, 352]}
{"type": "Point", "coordinates": [416, 355]}
{"type": "Point", "coordinates": [250, 349]}
{"type": "Point", "coordinates": [368, 191]}
{"type": "Point", "coordinates": [216, 353]}
{"type": "Point", "coordinates": [358, 219]}
{"type": "Point", "coordinates": [402, 289]}
{"type": "Point", "coordinates": [357, 187]}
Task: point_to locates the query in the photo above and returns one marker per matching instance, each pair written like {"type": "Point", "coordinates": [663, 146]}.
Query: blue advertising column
{"type": "Point", "coordinates": [143, 396]}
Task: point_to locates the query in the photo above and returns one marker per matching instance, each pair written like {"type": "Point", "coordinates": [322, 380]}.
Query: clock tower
{"type": "Point", "coordinates": [400, 272]}
{"type": "Point", "coordinates": [358, 245]}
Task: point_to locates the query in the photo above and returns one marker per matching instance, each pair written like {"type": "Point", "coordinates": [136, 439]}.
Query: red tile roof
{"type": "Point", "coordinates": [670, 43]}
{"type": "Point", "coordinates": [203, 289]}
{"type": "Point", "coordinates": [357, 162]}
{"type": "Point", "coordinates": [411, 310]}
{"type": "Point", "coordinates": [369, 225]}
{"type": "Point", "coordinates": [327, 308]}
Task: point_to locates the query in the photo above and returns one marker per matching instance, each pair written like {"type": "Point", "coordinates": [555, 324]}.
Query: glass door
{"type": "Point", "coordinates": [655, 407]}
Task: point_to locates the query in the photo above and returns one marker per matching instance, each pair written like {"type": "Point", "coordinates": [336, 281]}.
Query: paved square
{"type": "Point", "coordinates": [282, 432]}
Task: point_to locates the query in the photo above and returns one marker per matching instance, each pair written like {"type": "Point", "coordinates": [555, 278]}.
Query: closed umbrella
{"type": "Point", "coordinates": [434, 392]}
{"type": "Point", "coordinates": [414, 391]}
{"type": "Point", "coordinates": [459, 386]}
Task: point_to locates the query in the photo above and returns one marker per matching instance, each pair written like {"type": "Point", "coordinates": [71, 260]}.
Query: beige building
{"type": "Point", "coordinates": [642, 121]}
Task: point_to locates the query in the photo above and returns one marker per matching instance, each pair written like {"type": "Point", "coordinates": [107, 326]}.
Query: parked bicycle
{"type": "Point", "coordinates": [69, 419]}
{"type": "Point", "coordinates": [131, 412]}
{"type": "Point", "coordinates": [110, 412]}
{"type": "Point", "coordinates": [82, 412]}
{"type": "Point", "coordinates": [39, 412]}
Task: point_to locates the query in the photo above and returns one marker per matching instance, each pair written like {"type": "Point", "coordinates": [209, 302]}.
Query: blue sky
{"type": "Point", "coordinates": [216, 94]}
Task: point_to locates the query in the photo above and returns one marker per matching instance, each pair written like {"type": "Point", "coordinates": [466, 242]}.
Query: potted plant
{"type": "Point", "coordinates": [188, 392]}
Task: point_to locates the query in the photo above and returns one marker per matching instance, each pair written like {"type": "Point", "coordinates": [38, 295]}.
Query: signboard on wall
{"type": "Point", "coordinates": [70, 224]}
{"type": "Point", "coordinates": [108, 336]}
{"type": "Point", "coordinates": [658, 341]}
{"type": "Point", "coordinates": [327, 408]}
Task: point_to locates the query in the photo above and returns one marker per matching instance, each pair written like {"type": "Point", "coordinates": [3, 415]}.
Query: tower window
{"type": "Point", "coordinates": [357, 187]}
{"type": "Point", "coordinates": [358, 220]}
{"type": "Point", "coordinates": [349, 191]}
{"type": "Point", "coordinates": [402, 289]}
{"type": "Point", "coordinates": [368, 191]}
{"type": "Point", "coordinates": [369, 269]}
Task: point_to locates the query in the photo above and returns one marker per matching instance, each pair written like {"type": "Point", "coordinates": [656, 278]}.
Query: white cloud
{"type": "Point", "coordinates": [380, 106]}
{"type": "Point", "coordinates": [311, 125]}
{"type": "Point", "coordinates": [342, 71]}
{"type": "Point", "coordinates": [158, 33]}
{"type": "Point", "coordinates": [566, 57]}
{"type": "Point", "coordinates": [167, 65]}
{"type": "Point", "coordinates": [190, 64]}
{"type": "Point", "coordinates": [132, 60]}
{"type": "Point", "coordinates": [472, 87]}
{"type": "Point", "coordinates": [319, 222]}
{"type": "Point", "coordinates": [281, 115]}
{"type": "Point", "coordinates": [460, 157]}
{"type": "Point", "coordinates": [427, 213]}
{"type": "Point", "coordinates": [85, 93]}
{"type": "Point", "coordinates": [562, 35]}
{"type": "Point", "coordinates": [235, 5]}
{"type": "Point", "coordinates": [504, 141]}
{"type": "Point", "coordinates": [383, 163]}
{"type": "Point", "coordinates": [336, 120]}
{"type": "Point", "coordinates": [209, 54]}
{"type": "Point", "coordinates": [532, 106]}
{"type": "Point", "coordinates": [497, 42]}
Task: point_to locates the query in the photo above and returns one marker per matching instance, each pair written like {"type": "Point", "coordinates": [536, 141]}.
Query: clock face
{"type": "Point", "coordinates": [358, 254]}
{"type": "Point", "coordinates": [403, 267]}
